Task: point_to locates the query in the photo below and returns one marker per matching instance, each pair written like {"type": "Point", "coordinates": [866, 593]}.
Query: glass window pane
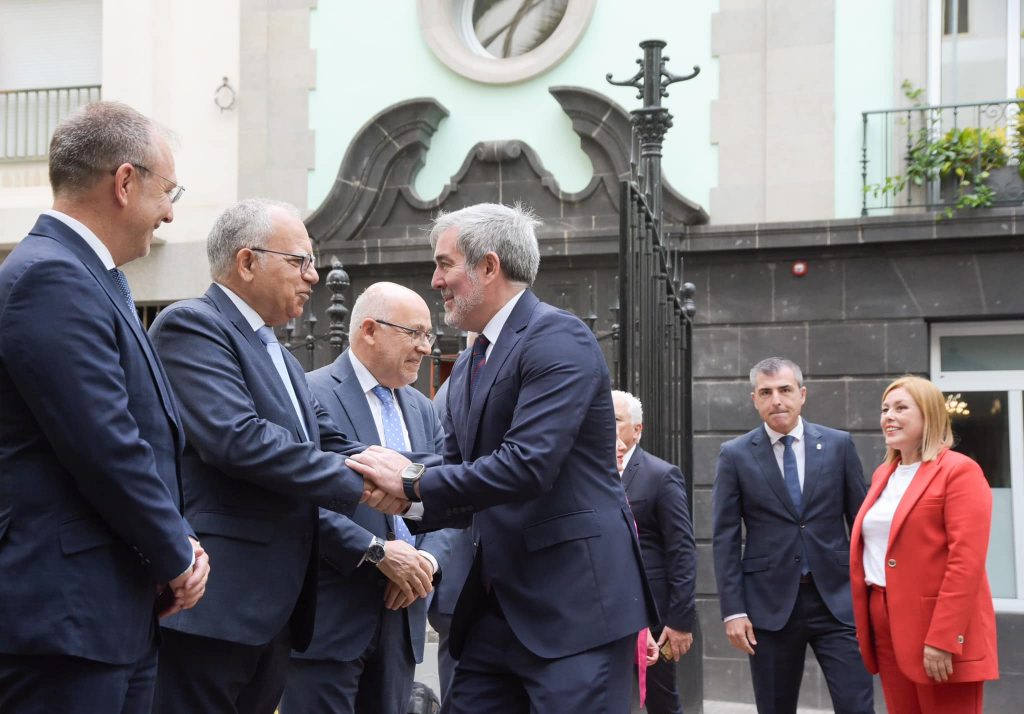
{"type": "Point", "coordinates": [981, 430]}
{"type": "Point", "coordinates": [974, 62]}
{"type": "Point", "coordinates": [968, 353]}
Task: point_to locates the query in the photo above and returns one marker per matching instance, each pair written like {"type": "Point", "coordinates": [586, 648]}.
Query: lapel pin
{"type": "Point", "coordinates": [818, 447]}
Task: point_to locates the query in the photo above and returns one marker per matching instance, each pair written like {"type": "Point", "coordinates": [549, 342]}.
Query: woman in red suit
{"type": "Point", "coordinates": [921, 598]}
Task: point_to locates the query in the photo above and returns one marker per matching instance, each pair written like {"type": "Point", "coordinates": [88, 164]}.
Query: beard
{"type": "Point", "coordinates": [462, 305]}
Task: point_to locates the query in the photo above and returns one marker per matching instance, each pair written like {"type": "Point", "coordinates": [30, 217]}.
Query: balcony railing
{"type": "Point", "coordinates": [943, 156]}
{"type": "Point", "coordinates": [29, 116]}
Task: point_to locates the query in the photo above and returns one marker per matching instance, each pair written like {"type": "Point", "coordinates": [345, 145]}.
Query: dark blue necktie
{"type": "Point", "coordinates": [789, 471]}
{"type": "Point", "coordinates": [126, 292]}
{"type": "Point", "coordinates": [477, 360]}
{"type": "Point", "coordinates": [791, 476]}
{"type": "Point", "coordinates": [394, 438]}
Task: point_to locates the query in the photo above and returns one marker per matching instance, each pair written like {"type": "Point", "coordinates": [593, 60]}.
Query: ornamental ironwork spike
{"type": "Point", "coordinates": [337, 312]}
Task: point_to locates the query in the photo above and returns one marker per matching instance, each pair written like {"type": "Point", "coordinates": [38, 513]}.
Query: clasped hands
{"type": "Point", "coordinates": [410, 575]}
{"type": "Point", "coordinates": [381, 470]}
{"type": "Point", "coordinates": [188, 588]}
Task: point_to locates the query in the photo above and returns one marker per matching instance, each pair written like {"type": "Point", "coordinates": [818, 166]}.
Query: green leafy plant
{"type": "Point", "coordinates": [962, 155]}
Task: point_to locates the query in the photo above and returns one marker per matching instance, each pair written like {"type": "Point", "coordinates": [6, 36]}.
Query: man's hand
{"type": "Point", "coordinates": [381, 466]}
{"type": "Point", "coordinates": [381, 500]}
{"type": "Point", "coordinates": [741, 634]}
{"type": "Point", "coordinates": [188, 588]}
{"type": "Point", "coordinates": [938, 664]}
{"type": "Point", "coordinates": [395, 599]}
{"type": "Point", "coordinates": [674, 644]}
{"type": "Point", "coordinates": [652, 648]}
{"type": "Point", "coordinates": [409, 571]}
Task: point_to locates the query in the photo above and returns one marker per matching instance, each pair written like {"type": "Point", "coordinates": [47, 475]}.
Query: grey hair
{"type": "Point", "coordinates": [773, 365]}
{"type": "Point", "coordinates": [96, 139]}
{"type": "Point", "coordinates": [636, 409]}
{"type": "Point", "coordinates": [246, 224]}
{"type": "Point", "coordinates": [506, 231]}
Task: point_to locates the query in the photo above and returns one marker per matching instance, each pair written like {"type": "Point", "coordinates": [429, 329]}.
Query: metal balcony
{"type": "Point", "coordinates": [943, 157]}
{"type": "Point", "coordinates": [29, 116]}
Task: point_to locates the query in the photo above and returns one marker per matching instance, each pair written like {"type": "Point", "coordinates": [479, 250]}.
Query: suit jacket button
{"type": "Point", "coordinates": [892, 563]}
{"type": "Point", "coordinates": [803, 525]}
{"type": "Point", "coordinates": [960, 639]}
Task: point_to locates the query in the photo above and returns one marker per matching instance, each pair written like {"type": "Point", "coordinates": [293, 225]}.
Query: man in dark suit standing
{"type": "Point", "coordinates": [90, 440]}
{"type": "Point", "coordinates": [547, 620]}
{"type": "Point", "coordinates": [374, 576]}
{"type": "Point", "coordinates": [261, 456]}
{"type": "Point", "coordinates": [657, 494]}
{"type": "Point", "coordinates": [796, 487]}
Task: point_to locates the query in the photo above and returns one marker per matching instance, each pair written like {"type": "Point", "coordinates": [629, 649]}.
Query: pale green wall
{"type": "Point", "coordinates": [864, 81]}
{"type": "Point", "coordinates": [371, 55]}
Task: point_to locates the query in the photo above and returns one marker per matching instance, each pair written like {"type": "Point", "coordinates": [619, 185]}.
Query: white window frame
{"type": "Point", "coordinates": [1012, 76]}
{"type": "Point", "coordinates": [1012, 382]}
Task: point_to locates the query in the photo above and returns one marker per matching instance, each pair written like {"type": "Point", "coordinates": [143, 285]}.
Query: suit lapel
{"type": "Point", "coordinates": [270, 377]}
{"type": "Point", "coordinates": [350, 396]}
{"type": "Point", "coordinates": [50, 227]}
{"type": "Point", "coordinates": [506, 343]}
{"type": "Point", "coordinates": [765, 458]}
{"type": "Point", "coordinates": [922, 479]}
{"type": "Point", "coordinates": [413, 420]}
{"type": "Point", "coordinates": [814, 456]}
{"type": "Point", "coordinates": [632, 469]}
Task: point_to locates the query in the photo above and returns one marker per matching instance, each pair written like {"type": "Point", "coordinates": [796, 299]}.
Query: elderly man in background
{"type": "Point", "coordinates": [657, 494]}
{"type": "Point", "coordinates": [261, 456]}
{"type": "Point", "coordinates": [374, 576]}
{"type": "Point", "coordinates": [90, 440]}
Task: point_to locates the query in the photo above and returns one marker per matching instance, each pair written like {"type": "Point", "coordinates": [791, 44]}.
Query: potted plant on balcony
{"type": "Point", "coordinates": [975, 167]}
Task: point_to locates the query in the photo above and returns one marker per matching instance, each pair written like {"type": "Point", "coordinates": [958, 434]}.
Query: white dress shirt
{"type": "Point", "coordinates": [877, 523]}
{"type": "Point", "coordinates": [367, 382]}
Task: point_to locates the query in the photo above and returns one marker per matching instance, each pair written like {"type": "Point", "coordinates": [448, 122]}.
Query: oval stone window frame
{"type": "Point", "coordinates": [451, 39]}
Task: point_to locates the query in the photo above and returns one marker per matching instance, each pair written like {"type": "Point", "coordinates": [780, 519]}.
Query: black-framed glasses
{"type": "Point", "coordinates": [305, 259]}
{"type": "Point", "coordinates": [416, 335]}
{"type": "Point", "coordinates": [176, 189]}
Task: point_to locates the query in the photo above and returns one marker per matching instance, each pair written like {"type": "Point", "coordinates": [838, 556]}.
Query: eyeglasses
{"type": "Point", "coordinates": [416, 335]}
{"type": "Point", "coordinates": [305, 259]}
{"type": "Point", "coordinates": [176, 189]}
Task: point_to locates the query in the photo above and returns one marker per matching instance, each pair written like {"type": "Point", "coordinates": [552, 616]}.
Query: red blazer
{"type": "Point", "coordinates": [936, 586]}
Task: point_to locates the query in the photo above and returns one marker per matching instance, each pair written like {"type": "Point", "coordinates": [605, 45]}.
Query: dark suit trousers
{"type": "Point", "coordinates": [379, 682]}
{"type": "Point", "coordinates": [202, 674]}
{"type": "Point", "coordinates": [498, 675]}
{"type": "Point", "coordinates": [778, 665]}
{"type": "Point", "coordinates": [44, 684]}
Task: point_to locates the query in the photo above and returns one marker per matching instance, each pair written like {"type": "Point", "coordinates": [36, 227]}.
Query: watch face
{"type": "Point", "coordinates": [413, 471]}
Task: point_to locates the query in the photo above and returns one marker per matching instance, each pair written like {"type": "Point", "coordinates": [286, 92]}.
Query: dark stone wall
{"type": "Point", "coordinates": [858, 318]}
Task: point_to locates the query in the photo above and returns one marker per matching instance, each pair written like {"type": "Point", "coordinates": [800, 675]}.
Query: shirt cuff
{"type": "Point", "coordinates": [734, 617]}
{"type": "Point", "coordinates": [190, 565]}
{"type": "Point", "coordinates": [415, 512]}
{"type": "Point", "coordinates": [430, 559]}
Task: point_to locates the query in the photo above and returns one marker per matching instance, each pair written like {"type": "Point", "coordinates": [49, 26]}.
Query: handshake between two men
{"type": "Point", "coordinates": [390, 483]}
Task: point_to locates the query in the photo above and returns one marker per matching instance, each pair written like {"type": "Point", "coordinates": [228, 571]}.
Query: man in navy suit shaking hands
{"type": "Point", "coordinates": [548, 617]}
{"type": "Point", "coordinates": [796, 488]}
{"type": "Point", "coordinates": [262, 454]}
{"type": "Point", "coordinates": [90, 438]}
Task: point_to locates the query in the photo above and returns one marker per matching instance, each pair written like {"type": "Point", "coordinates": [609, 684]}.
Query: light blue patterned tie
{"type": "Point", "coordinates": [394, 438]}
{"type": "Point", "coordinates": [126, 292]}
{"type": "Point", "coordinates": [269, 340]}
